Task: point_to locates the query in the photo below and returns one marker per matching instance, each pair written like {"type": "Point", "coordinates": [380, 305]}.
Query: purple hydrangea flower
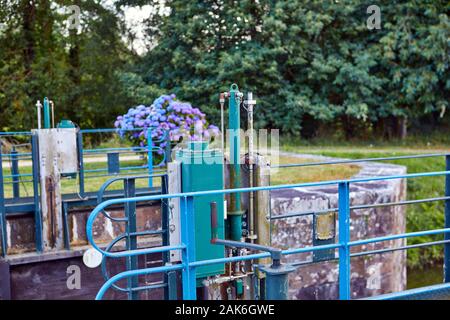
{"type": "Point", "coordinates": [165, 113]}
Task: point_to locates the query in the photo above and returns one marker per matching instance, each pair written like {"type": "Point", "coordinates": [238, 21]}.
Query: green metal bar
{"type": "Point", "coordinates": [235, 215]}
{"type": "Point", "coordinates": [47, 124]}
{"type": "Point", "coordinates": [65, 210]}
{"type": "Point", "coordinates": [172, 285]}
{"type": "Point", "coordinates": [168, 147]}
{"type": "Point", "coordinates": [37, 208]}
{"type": "Point", "coordinates": [276, 282]}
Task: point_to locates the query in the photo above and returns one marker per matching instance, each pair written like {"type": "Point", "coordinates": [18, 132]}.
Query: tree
{"type": "Point", "coordinates": [313, 60]}
{"type": "Point", "coordinates": [77, 69]}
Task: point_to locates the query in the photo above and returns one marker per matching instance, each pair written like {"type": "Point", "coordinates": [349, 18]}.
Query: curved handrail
{"type": "Point", "coordinates": [194, 264]}
{"type": "Point", "coordinates": [111, 245]}
{"type": "Point", "coordinates": [107, 183]}
{"type": "Point", "coordinates": [133, 273]}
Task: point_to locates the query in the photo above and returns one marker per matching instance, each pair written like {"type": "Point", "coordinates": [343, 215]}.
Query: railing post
{"type": "Point", "coordinates": [3, 240]}
{"type": "Point", "coordinates": [168, 278]}
{"type": "Point", "coordinates": [188, 254]}
{"type": "Point", "coordinates": [80, 162]}
{"type": "Point", "coordinates": [15, 173]}
{"type": "Point", "coordinates": [344, 239]}
{"type": "Point", "coordinates": [447, 222]}
{"type": "Point", "coordinates": [150, 156]}
{"type": "Point", "coordinates": [131, 241]}
{"type": "Point", "coordinates": [168, 148]}
{"type": "Point", "coordinates": [36, 200]}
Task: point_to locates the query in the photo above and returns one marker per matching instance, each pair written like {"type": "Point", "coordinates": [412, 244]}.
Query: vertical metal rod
{"type": "Point", "coordinates": [188, 254]}
{"type": "Point", "coordinates": [251, 207]}
{"type": "Point", "coordinates": [53, 113]}
{"type": "Point", "coordinates": [150, 156]}
{"type": "Point", "coordinates": [235, 215]}
{"type": "Point", "coordinates": [344, 238]}
{"type": "Point", "coordinates": [38, 111]}
{"type": "Point", "coordinates": [131, 241]}
{"type": "Point", "coordinates": [172, 284]}
{"type": "Point", "coordinates": [37, 208]}
{"type": "Point", "coordinates": [80, 162]}
{"type": "Point", "coordinates": [447, 222]}
{"type": "Point", "coordinates": [46, 114]}
{"type": "Point", "coordinates": [4, 243]}
{"type": "Point", "coordinates": [168, 148]}
{"type": "Point", "coordinates": [165, 235]}
{"type": "Point", "coordinates": [65, 210]}
{"type": "Point", "coordinates": [15, 173]}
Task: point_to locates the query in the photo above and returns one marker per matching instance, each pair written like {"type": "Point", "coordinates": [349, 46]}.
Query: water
{"type": "Point", "coordinates": [426, 277]}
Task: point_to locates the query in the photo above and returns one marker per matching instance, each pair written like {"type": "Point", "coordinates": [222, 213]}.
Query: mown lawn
{"type": "Point", "coordinates": [310, 174]}
{"type": "Point", "coordinates": [93, 180]}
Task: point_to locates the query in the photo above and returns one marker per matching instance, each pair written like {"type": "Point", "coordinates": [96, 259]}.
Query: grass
{"type": "Point", "coordinates": [310, 174]}
{"type": "Point", "coordinates": [93, 181]}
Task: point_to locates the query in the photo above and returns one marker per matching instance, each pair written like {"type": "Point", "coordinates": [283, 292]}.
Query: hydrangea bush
{"type": "Point", "coordinates": [165, 113]}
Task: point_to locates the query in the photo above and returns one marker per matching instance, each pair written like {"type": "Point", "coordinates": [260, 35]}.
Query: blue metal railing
{"type": "Point", "coordinates": [344, 244]}
{"type": "Point", "coordinates": [131, 235]}
{"type": "Point", "coordinates": [153, 145]}
{"type": "Point", "coordinates": [16, 178]}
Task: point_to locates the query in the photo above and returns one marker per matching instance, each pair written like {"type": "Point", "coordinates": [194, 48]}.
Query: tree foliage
{"type": "Point", "coordinates": [78, 69]}
{"type": "Point", "coordinates": [312, 65]}
{"type": "Point", "coordinates": [307, 61]}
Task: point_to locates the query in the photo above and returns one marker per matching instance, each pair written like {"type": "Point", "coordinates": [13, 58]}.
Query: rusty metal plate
{"type": "Point", "coordinates": [324, 232]}
{"type": "Point", "coordinates": [324, 226]}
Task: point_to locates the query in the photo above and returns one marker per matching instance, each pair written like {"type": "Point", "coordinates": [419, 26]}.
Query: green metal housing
{"type": "Point", "coordinates": [201, 169]}
{"type": "Point", "coordinates": [64, 124]}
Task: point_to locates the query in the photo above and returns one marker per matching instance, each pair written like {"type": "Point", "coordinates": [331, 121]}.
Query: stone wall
{"type": "Point", "coordinates": [371, 274]}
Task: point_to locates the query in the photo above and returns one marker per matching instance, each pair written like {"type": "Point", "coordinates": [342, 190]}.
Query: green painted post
{"type": "Point", "coordinates": [46, 113]}
{"type": "Point", "coordinates": [235, 215]}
